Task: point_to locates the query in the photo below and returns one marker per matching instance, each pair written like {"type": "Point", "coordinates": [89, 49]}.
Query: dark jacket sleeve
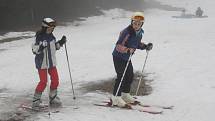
{"type": "Point", "coordinates": [36, 47]}
{"type": "Point", "coordinates": [122, 40]}
{"type": "Point", "coordinates": [142, 46]}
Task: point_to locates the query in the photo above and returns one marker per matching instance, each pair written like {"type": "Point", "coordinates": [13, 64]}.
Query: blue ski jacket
{"type": "Point", "coordinates": [128, 38]}
{"type": "Point", "coordinates": [42, 53]}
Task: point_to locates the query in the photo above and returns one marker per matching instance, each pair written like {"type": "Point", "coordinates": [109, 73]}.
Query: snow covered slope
{"type": "Point", "coordinates": [181, 65]}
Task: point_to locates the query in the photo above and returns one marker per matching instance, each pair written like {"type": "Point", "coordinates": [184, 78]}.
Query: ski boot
{"type": "Point", "coordinates": [36, 101]}
{"type": "Point", "coordinates": [54, 100]}
{"type": "Point", "coordinates": [129, 99]}
{"type": "Point", "coordinates": [119, 102]}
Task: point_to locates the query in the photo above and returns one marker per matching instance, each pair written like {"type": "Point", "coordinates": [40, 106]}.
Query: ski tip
{"type": "Point", "coordinates": [159, 112]}
{"type": "Point", "coordinates": [169, 107]}
{"type": "Point", "coordinates": [152, 112]}
{"type": "Point", "coordinates": [104, 105]}
{"type": "Point", "coordinates": [56, 111]}
{"type": "Point", "coordinates": [76, 108]}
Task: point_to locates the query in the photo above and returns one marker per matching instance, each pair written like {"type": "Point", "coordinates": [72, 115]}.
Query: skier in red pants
{"type": "Point", "coordinates": [44, 48]}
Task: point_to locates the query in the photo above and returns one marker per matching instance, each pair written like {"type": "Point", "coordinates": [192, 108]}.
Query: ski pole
{"type": "Point", "coordinates": [147, 53]}
{"type": "Point", "coordinates": [47, 67]}
{"type": "Point", "coordinates": [123, 75]}
{"type": "Point", "coordinates": [70, 72]}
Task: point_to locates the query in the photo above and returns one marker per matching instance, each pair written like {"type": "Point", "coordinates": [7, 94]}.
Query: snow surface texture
{"type": "Point", "coordinates": [181, 65]}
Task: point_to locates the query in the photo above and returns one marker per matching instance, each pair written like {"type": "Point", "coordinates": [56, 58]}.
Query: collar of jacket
{"type": "Point", "coordinates": [133, 32]}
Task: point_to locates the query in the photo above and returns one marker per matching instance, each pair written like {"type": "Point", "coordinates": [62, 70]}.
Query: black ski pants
{"type": "Point", "coordinates": [120, 65]}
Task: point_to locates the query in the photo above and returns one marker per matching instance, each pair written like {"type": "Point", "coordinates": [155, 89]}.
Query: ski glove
{"type": "Point", "coordinates": [130, 51]}
{"type": "Point", "coordinates": [62, 41]}
{"type": "Point", "coordinates": [149, 46]}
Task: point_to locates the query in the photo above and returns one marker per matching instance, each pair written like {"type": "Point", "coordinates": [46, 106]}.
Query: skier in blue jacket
{"type": "Point", "coordinates": [44, 48]}
{"type": "Point", "coordinates": [129, 40]}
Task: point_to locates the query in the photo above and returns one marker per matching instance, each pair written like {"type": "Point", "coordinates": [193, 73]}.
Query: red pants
{"type": "Point", "coordinates": [43, 79]}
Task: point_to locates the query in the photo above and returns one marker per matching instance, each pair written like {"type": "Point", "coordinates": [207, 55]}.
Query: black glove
{"type": "Point", "coordinates": [62, 41]}
{"type": "Point", "coordinates": [149, 46]}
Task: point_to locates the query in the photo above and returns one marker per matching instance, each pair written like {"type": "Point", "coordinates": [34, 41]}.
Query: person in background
{"type": "Point", "coordinates": [44, 48]}
{"type": "Point", "coordinates": [129, 40]}
{"type": "Point", "coordinates": [199, 12]}
{"type": "Point", "coordinates": [183, 12]}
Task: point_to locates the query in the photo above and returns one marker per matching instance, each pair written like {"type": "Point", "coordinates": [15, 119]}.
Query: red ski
{"type": "Point", "coordinates": [130, 107]}
{"type": "Point", "coordinates": [146, 105]}
{"type": "Point", "coordinates": [42, 108]}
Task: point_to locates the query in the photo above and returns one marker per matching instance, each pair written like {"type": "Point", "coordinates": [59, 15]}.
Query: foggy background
{"type": "Point", "coordinates": [20, 14]}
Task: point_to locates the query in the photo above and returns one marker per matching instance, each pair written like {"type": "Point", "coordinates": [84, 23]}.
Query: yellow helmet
{"type": "Point", "coordinates": [138, 16]}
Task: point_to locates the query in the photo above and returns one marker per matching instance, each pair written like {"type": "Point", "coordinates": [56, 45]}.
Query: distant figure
{"type": "Point", "coordinates": [183, 12]}
{"type": "Point", "coordinates": [199, 12]}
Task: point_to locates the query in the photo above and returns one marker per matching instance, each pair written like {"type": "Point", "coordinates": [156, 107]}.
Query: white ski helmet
{"type": "Point", "coordinates": [138, 16]}
{"type": "Point", "coordinates": [48, 22]}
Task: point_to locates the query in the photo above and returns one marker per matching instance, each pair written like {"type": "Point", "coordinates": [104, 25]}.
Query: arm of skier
{"type": "Point", "coordinates": [38, 46]}
{"type": "Point", "coordinates": [142, 46]}
{"type": "Point", "coordinates": [120, 45]}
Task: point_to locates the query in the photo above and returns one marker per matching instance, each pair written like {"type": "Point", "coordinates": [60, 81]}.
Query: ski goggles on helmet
{"type": "Point", "coordinates": [137, 23]}
{"type": "Point", "coordinates": [50, 24]}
